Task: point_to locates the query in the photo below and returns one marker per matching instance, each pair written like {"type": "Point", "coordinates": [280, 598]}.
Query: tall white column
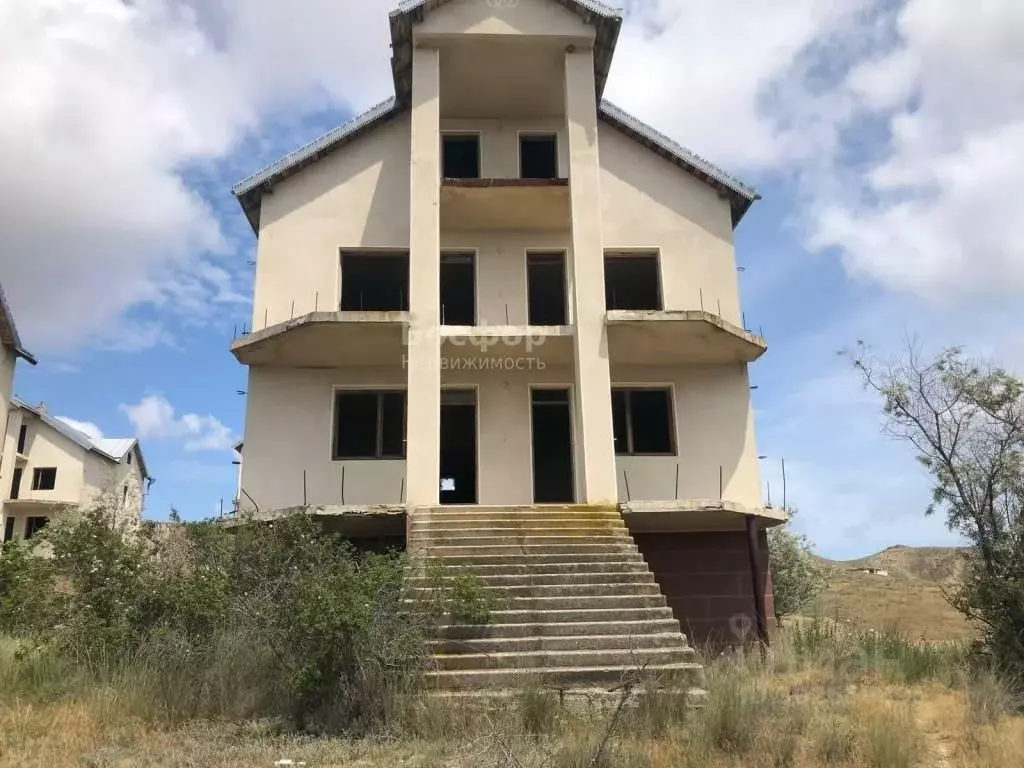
{"type": "Point", "coordinates": [595, 447]}
{"type": "Point", "coordinates": [423, 446]}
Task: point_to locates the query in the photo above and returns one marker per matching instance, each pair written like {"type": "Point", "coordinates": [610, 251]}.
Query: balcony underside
{"type": "Point", "coordinates": [695, 515]}
{"type": "Point", "coordinates": [671, 337]}
{"type": "Point", "coordinates": [328, 340]}
{"type": "Point", "coordinates": [533, 204]}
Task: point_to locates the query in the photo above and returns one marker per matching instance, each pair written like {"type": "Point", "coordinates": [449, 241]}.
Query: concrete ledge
{"type": "Point", "coordinates": [379, 521]}
{"type": "Point", "coordinates": [327, 339]}
{"type": "Point", "coordinates": [678, 336]}
{"type": "Point", "coordinates": [695, 515]}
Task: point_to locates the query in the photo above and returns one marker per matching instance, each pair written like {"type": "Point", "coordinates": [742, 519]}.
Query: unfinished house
{"type": "Point", "coordinates": [11, 350]}
{"type": "Point", "coordinates": [49, 470]}
{"type": "Point", "coordinates": [498, 317]}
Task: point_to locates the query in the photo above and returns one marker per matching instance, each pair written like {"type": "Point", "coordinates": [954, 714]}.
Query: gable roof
{"type": "Point", "coordinates": [606, 21]}
{"type": "Point", "coordinates": [112, 449]}
{"type": "Point", "coordinates": [9, 332]}
{"type": "Point", "coordinates": [250, 190]}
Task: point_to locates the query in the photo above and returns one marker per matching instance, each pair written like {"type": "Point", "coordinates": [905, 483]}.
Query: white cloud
{"type": "Point", "coordinates": [87, 428]}
{"type": "Point", "coordinates": [105, 104]}
{"type": "Point", "coordinates": [154, 417]}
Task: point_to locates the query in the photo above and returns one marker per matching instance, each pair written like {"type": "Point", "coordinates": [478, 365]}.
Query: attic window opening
{"type": "Point", "coordinates": [460, 156]}
{"type": "Point", "coordinates": [44, 478]}
{"type": "Point", "coordinates": [538, 156]}
{"type": "Point", "coordinates": [631, 282]}
{"type": "Point", "coordinates": [375, 282]}
{"type": "Point", "coordinates": [22, 438]}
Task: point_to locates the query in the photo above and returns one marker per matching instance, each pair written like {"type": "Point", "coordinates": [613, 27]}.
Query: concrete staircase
{"type": "Point", "coordinates": [578, 607]}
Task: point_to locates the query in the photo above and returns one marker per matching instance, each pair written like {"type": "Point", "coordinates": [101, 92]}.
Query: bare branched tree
{"type": "Point", "coordinates": [965, 420]}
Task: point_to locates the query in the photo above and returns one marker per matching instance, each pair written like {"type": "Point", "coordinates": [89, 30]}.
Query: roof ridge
{"type": "Point", "coordinates": [595, 6]}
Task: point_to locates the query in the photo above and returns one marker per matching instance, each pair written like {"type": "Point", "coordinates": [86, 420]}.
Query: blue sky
{"type": "Point", "coordinates": [887, 139]}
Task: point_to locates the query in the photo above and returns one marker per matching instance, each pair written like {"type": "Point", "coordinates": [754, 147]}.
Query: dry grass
{"type": "Point", "coordinates": [818, 704]}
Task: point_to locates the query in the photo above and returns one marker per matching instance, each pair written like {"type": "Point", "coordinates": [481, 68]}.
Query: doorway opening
{"type": "Point", "coordinates": [545, 285]}
{"type": "Point", "coordinates": [458, 289]}
{"type": "Point", "coordinates": [551, 427]}
{"type": "Point", "coordinates": [458, 446]}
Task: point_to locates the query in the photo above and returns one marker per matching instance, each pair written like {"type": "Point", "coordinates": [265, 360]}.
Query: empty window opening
{"type": "Point", "coordinates": [545, 278]}
{"type": "Point", "coordinates": [22, 438]}
{"type": "Point", "coordinates": [44, 478]}
{"type": "Point", "coordinates": [8, 529]}
{"type": "Point", "coordinates": [34, 525]}
{"type": "Point", "coordinates": [551, 426]}
{"type": "Point", "coordinates": [538, 156]}
{"type": "Point", "coordinates": [458, 446]}
{"type": "Point", "coordinates": [369, 425]}
{"type": "Point", "coordinates": [460, 156]}
{"type": "Point", "coordinates": [458, 289]}
{"type": "Point", "coordinates": [16, 483]}
{"type": "Point", "coordinates": [375, 282]}
{"type": "Point", "coordinates": [129, 458]}
{"type": "Point", "coordinates": [642, 422]}
{"type": "Point", "coordinates": [631, 281]}
{"type": "Point", "coordinates": [124, 495]}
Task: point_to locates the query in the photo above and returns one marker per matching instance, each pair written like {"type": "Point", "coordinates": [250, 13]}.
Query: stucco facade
{"type": "Point", "coordinates": [382, 186]}
{"type": "Point", "coordinates": [49, 471]}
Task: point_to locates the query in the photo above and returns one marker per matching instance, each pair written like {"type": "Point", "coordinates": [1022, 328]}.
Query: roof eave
{"type": "Point", "coordinates": [740, 196]}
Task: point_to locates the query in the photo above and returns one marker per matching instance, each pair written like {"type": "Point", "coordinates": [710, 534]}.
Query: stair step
{"type": "Point", "coordinates": [520, 558]}
{"type": "Point", "coordinates": [557, 615]}
{"type": "Point", "coordinates": [588, 625]}
{"type": "Point", "coordinates": [579, 602]}
{"type": "Point", "coordinates": [520, 540]}
{"type": "Point", "coordinates": [544, 566]}
{"type": "Point", "coordinates": [616, 523]}
{"type": "Point", "coordinates": [576, 532]}
{"type": "Point", "coordinates": [560, 550]}
{"type": "Point", "coordinates": [633, 658]}
{"type": "Point", "coordinates": [669, 639]}
{"type": "Point", "coordinates": [563, 590]}
{"type": "Point", "coordinates": [683, 675]}
{"type": "Point", "coordinates": [541, 579]}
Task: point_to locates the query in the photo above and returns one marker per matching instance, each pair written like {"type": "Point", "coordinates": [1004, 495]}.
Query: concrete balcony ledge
{"type": "Point", "coordinates": [518, 347]}
{"type": "Point", "coordinates": [536, 204]}
{"type": "Point", "coordinates": [357, 521]}
{"type": "Point", "coordinates": [693, 515]}
{"type": "Point", "coordinates": [678, 337]}
{"type": "Point", "coordinates": [328, 340]}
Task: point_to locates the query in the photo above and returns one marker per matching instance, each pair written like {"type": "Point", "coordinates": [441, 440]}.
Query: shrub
{"type": "Point", "coordinates": [796, 577]}
{"type": "Point", "coordinates": [273, 619]}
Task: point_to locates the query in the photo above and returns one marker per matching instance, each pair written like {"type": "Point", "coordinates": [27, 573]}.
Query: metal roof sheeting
{"type": "Point", "coordinates": [9, 331]}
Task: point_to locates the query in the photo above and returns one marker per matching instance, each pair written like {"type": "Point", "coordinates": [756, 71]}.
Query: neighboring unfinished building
{"type": "Point", "coordinates": [496, 292]}
{"type": "Point", "coordinates": [50, 470]}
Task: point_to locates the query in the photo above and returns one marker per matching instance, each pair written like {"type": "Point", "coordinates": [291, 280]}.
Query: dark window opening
{"type": "Point", "coordinates": [124, 495]}
{"type": "Point", "coordinates": [551, 419]}
{"type": "Point", "coordinates": [8, 529]}
{"type": "Point", "coordinates": [642, 422]}
{"type": "Point", "coordinates": [129, 458]}
{"type": "Point", "coordinates": [22, 438]}
{"type": "Point", "coordinates": [34, 525]}
{"type": "Point", "coordinates": [545, 277]}
{"type": "Point", "coordinates": [44, 479]}
{"type": "Point", "coordinates": [374, 282]}
{"type": "Point", "coordinates": [631, 282]}
{"type": "Point", "coordinates": [460, 156]}
{"type": "Point", "coordinates": [458, 446]}
{"type": "Point", "coordinates": [369, 425]}
{"type": "Point", "coordinates": [458, 289]}
{"type": "Point", "coordinates": [538, 157]}
{"type": "Point", "coordinates": [16, 483]}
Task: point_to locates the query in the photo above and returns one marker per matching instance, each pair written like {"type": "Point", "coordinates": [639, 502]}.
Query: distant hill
{"type": "Point", "coordinates": [912, 596]}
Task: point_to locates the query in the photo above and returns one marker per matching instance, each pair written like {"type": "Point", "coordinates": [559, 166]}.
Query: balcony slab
{"type": "Point", "coordinates": [328, 340]}
{"type": "Point", "coordinates": [674, 337]}
{"type": "Point", "coordinates": [534, 204]}
{"type": "Point", "coordinates": [681, 515]}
